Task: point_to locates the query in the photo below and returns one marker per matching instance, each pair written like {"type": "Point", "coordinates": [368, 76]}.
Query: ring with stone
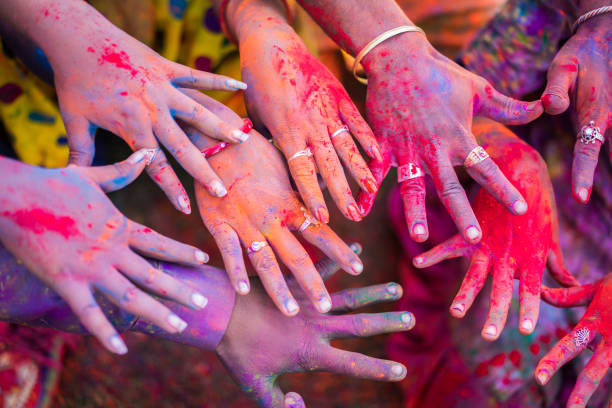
{"type": "Point", "coordinates": [343, 129]}
{"type": "Point", "coordinates": [306, 152]}
{"type": "Point", "coordinates": [409, 171]}
{"type": "Point", "coordinates": [582, 337]}
{"type": "Point", "coordinates": [589, 133]}
{"type": "Point", "coordinates": [474, 157]}
{"type": "Point", "coordinates": [256, 246]}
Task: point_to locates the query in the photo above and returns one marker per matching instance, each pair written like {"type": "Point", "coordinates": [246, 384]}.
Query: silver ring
{"type": "Point", "coordinates": [307, 223]}
{"type": "Point", "coordinates": [306, 152]}
{"type": "Point", "coordinates": [589, 133]}
{"type": "Point", "coordinates": [582, 337]}
{"type": "Point", "coordinates": [474, 157]}
{"type": "Point", "coordinates": [409, 171]}
{"type": "Point", "coordinates": [341, 130]}
{"type": "Point", "coordinates": [256, 246]}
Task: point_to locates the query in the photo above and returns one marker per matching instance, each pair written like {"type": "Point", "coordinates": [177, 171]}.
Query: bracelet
{"type": "Point", "coordinates": [223, 21]}
{"type": "Point", "coordinates": [382, 37]}
{"type": "Point", "coordinates": [591, 14]}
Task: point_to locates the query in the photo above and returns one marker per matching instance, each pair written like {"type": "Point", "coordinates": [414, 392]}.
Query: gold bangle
{"type": "Point", "coordinates": [382, 37]}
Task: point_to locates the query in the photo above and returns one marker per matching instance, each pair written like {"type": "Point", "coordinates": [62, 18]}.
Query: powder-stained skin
{"type": "Point", "coordinates": [512, 246]}
{"type": "Point", "coordinates": [105, 78]}
{"type": "Point", "coordinates": [65, 230]}
{"type": "Point", "coordinates": [302, 104]}
{"type": "Point", "coordinates": [262, 206]}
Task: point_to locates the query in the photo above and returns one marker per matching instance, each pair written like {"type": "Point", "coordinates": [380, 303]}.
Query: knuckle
{"type": "Point", "coordinates": [349, 299]}
{"type": "Point", "coordinates": [451, 189]}
{"type": "Point", "coordinates": [263, 261]}
{"type": "Point", "coordinates": [301, 260]}
{"type": "Point", "coordinates": [358, 326]}
{"type": "Point", "coordinates": [487, 171]}
{"type": "Point", "coordinates": [129, 297]}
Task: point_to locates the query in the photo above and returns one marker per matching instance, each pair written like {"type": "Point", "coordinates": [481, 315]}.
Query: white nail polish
{"type": "Point", "coordinates": [458, 307]}
{"type": "Point", "coordinates": [176, 322]}
{"type": "Point", "coordinates": [407, 318]}
{"type": "Point", "coordinates": [520, 207]}
{"type": "Point", "coordinates": [243, 287]}
{"type": "Point", "coordinates": [418, 229]}
{"type": "Point", "coordinates": [183, 202]}
{"type": "Point", "coordinates": [137, 157]}
{"type": "Point", "coordinates": [240, 135]}
{"type": "Point", "coordinates": [491, 331]}
{"type": "Point", "coordinates": [392, 289]}
{"type": "Point", "coordinates": [291, 306]}
{"type": "Point", "coordinates": [199, 300]}
{"type": "Point", "coordinates": [418, 260]}
{"type": "Point", "coordinates": [583, 194]}
{"type": "Point", "coordinates": [232, 83]}
{"type": "Point", "coordinates": [472, 232]}
{"type": "Point", "coordinates": [201, 256]}
{"type": "Point", "coordinates": [324, 305]}
{"type": "Point", "coordinates": [398, 370]}
{"type": "Point", "coordinates": [218, 189]}
{"type": "Point", "coordinates": [542, 377]}
{"type": "Point", "coordinates": [357, 267]}
{"type": "Point", "coordinates": [527, 326]}
{"type": "Point", "coordinates": [117, 344]}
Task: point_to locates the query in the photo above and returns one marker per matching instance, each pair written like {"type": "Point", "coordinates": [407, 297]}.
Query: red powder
{"type": "Point", "coordinates": [482, 369]}
{"type": "Point", "coordinates": [40, 221]}
{"type": "Point", "coordinates": [124, 93]}
{"type": "Point", "coordinates": [515, 357]}
{"type": "Point", "coordinates": [545, 339]}
{"type": "Point", "coordinates": [118, 59]}
{"type": "Point", "coordinates": [498, 360]}
{"type": "Point", "coordinates": [534, 349]}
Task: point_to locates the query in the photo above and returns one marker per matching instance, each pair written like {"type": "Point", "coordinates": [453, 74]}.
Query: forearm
{"type": "Point", "coordinates": [24, 299]}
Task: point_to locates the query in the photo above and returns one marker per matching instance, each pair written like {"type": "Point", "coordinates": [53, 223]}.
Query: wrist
{"type": "Point", "coordinates": [397, 53]}
{"type": "Point", "coordinates": [245, 17]}
{"type": "Point", "coordinates": [585, 6]}
{"type": "Point", "coordinates": [600, 21]}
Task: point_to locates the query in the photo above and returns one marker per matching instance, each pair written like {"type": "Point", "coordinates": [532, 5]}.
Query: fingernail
{"type": "Point", "coordinates": [459, 307]}
{"type": "Point", "coordinates": [150, 154]}
{"type": "Point", "coordinates": [323, 215]}
{"type": "Point", "coordinates": [376, 153]}
{"type": "Point", "coordinates": [243, 287]}
{"type": "Point", "coordinates": [527, 325]}
{"type": "Point", "coordinates": [290, 402]}
{"type": "Point", "coordinates": [418, 260]}
{"type": "Point", "coordinates": [176, 322]}
{"type": "Point", "coordinates": [542, 377]}
{"type": "Point", "coordinates": [398, 371]}
{"type": "Point", "coordinates": [519, 207]}
{"type": "Point", "coordinates": [137, 157]}
{"type": "Point", "coordinates": [357, 267]}
{"type": "Point", "coordinates": [491, 331]}
{"type": "Point", "coordinates": [472, 233]}
{"type": "Point", "coordinates": [183, 202]}
{"type": "Point", "coordinates": [218, 189]}
{"type": "Point", "coordinates": [361, 210]}
{"type": "Point", "coordinates": [199, 300]}
{"type": "Point", "coordinates": [291, 306]}
{"type": "Point", "coordinates": [117, 344]}
{"type": "Point", "coordinates": [324, 304]}
{"type": "Point", "coordinates": [200, 256]}
{"type": "Point", "coordinates": [408, 319]}
{"type": "Point", "coordinates": [393, 289]}
{"type": "Point", "coordinates": [371, 187]}
{"type": "Point", "coordinates": [418, 229]}
{"type": "Point", "coordinates": [232, 83]}
{"type": "Point", "coordinates": [240, 135]}
{"type": "Point", "coordinates": [583, 193]}
{"type": "Point", "coordinates": [354, 212]}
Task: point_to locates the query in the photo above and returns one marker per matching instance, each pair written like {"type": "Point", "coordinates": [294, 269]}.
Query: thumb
{"type": "Point", "coordinates": [80, 137]}
{"type": "Point", "coordinates": [294, 400]}
{"type": "Point", "coordinates": [453, 247]}
{"type": "Point", "coordinates": [509, 111]}
{"type": "Point", "coordinates": [116, 176]}
{"type": "Point", "coordinates": [570, 297]}
{"type": "Point", "coordinates": [560, 78]}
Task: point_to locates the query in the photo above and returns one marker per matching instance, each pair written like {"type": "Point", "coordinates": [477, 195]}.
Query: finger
{"type": "Point", "coordinates": [116, 176]}
{"type": "Point", "coordinates": [295, 257]}
{"type": "Point", "coordinates": [456, 202]}
{"type": "Point", "coordinates": [368, 324]}
{"type": "Point", "coordinates": [504, 109]}
{"type": "Point", "coordinates": [131, 299]}
{"type": "Point", "coordinates": [501, 297]}
{"type": "Point", "coordinates": [557, 268]}
{"type": "Point", "coordinates": [154, 279]}
{"type": "Point", "coordinates": [570, 297]}
{"type": "Point", "coordinates": [195, 79]}
{"type": "Point", "coordinates": [360, 366]}
{"type": "Point", "coordinates": [264, 389]}
{"type": "Point", "coordinates": [294, 400]}
{"type": "Point", "coordinates": [304, 174]}
{"type": "Point", "coordinates": [191, 112]}
{"type": "Point", "coordinates": [413, 198]}
{"type": "Point", "coordinates": [185, 152]}
{"type": "Point", "coordinates": [488, 175]}
{"type": "Point", "coordinates": [80, 134]}
{"type": "Point", "coordinates": [379, 170]}
{"type": "Point", "coordinates": [565, 350]}
{"type": "Point", "coordinates": [472, 284]}
{"type": "Point", "coordinates": [229, 245]}
{"type": "Point", "coordinates": [359, 128]}
{"type": "Point", "coordinates": [351, 157]}
{"type": "Point", "coordinates": [560, 79]}
{"type": "Point", "coordinates": [81, 301]}
{"type": "Point", "coordinates": [154, 245]}
{"type": "Point", "coordinates": [586, 155]}
{"type": "Point", "coordinates": [590, 376]}
{"type": "Point", "coordinates": [326, 240]}
{"type": "Point", "coordinates": [453, 247]}
{"type": "Point", "coordinates": [328, 267]}
{"type": "Point", "coordinates": [530, 280]}
{"type": "Point", "coordinates": [164, 176]}
{"type": "Point", "coordinates": [351, 299]}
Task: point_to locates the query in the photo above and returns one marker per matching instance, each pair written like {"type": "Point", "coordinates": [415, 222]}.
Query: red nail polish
{"type": "Point", "coordinates": [354, 212]}
{"type": "Point", "coordinates": [323, 215]}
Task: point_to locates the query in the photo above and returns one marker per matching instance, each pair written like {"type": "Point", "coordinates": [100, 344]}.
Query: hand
{"type": "Point", "coordinates": [301, 343]}
{"type": "Point", "coordinates": [420, 106]}
{"type": "Point", "coordinates": [511, 246]}
{"type": "Point", "coordinates": [581, 71]}
{"type": "Point", "coordinates": [261, 206]}
{"type": "Point", "coordinates": [105, 78]}
{"type": "Point", "coordinates": [69, 234]}
{"type": "Point", "coordinates": [596, 321]}
{"type": "Point", "coordinates": [302, 105]}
